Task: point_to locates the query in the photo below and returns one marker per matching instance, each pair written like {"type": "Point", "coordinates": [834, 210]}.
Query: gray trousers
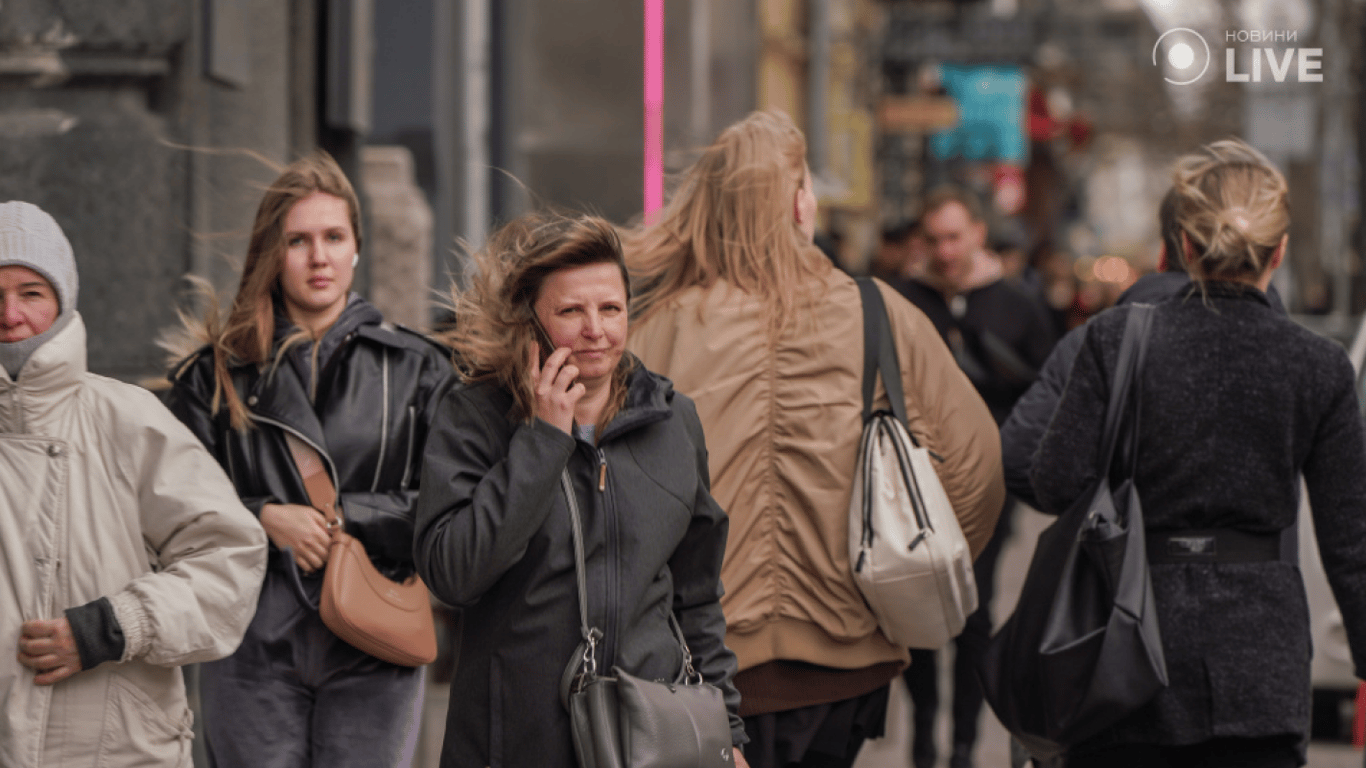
{"type": "Point", "coordinates": [294, 695]}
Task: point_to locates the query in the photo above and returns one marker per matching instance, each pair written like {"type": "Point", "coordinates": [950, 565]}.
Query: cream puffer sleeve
{"type": "Point", "coordinates": [208, 553]}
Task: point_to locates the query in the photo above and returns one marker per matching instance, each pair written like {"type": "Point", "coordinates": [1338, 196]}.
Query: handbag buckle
{"type": "Point", "coordinates": [590, 653]}
{"type": "Point", "coordinates": [690, 675]}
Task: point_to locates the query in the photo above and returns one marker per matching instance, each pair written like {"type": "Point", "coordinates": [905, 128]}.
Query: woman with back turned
{"type": "Point", "coordinates": [747, 317]}
{"type": "Point", "coordinates": [1237, 403]}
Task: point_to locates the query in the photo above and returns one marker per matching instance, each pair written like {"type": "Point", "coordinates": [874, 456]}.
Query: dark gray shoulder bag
{"type": "Point", "coordinates": [622, 721]}
{"type": "Point", "coordinates": [1083, 649]}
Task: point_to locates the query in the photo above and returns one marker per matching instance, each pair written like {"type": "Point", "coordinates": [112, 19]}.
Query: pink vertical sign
{"type": "Point", "coordinates": [654, 106]}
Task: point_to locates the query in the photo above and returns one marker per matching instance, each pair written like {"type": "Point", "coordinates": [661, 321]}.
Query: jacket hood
{"type": "Point", "coordinates": [356, 313]}
{"type": "Point", "coordinates": [648, 400]}
{"type": "Point", "coordinates": [52, 372]}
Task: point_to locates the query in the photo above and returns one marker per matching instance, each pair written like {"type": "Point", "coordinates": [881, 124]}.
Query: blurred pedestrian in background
{"type": "Point", "coordinates": [901, 253]}
{"type": "Point", "coordinates": [1237, 403]}
{"type": "Point", "coordinates": [542, 331]}
{"type": "Point", "coordinates": [735, 305]}
{"type": "Point", "coordinates": [125, 550]}
{"type": "Point", "coordinates": [300, 356]}
{"type": "Point", "coordinates": [1000, 336]}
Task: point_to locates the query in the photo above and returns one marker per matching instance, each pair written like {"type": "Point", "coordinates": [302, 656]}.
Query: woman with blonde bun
{"type": "Point", "coordinates": [1237, 404]}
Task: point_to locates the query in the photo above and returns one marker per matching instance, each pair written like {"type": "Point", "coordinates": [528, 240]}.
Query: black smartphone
{"type": "Point", "coordinates": [542, 337]}
{"type": "Point", "coordinates": [543, 341]}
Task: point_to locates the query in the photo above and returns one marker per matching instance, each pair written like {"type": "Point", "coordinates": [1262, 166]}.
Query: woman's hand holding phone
{"type": "Point", "coordinates": [556, 385]}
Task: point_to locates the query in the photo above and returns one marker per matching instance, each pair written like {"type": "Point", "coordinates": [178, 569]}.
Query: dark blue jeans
{"type": "Point", "coordinates": [294, 695]}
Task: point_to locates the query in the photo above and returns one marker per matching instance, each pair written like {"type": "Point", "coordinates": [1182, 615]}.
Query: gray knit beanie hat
{"type": "Point", "coordinates": [29, 237]}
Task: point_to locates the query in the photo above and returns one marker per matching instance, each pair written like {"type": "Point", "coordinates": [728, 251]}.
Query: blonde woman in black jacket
{"type": "Point", "coordinates": [1237, 403]}
{"type": "Point", "coordinates": [551, 388]}
{"type": "Point", "coordinates": [299, 354]}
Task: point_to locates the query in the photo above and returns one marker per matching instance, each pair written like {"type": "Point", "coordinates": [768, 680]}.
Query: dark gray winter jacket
{"type": "Point", "coordinates": [1022, 431]}
{"type": "Point", "coordinates": [493, 536]}
{"type": "Point", "coordinates": [1237, 402]}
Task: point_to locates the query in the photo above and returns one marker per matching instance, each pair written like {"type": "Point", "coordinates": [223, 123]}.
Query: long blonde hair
{"type": "Point", "coordinates": [247, 335]}
{"type": "Point", "coordinates": [1233, 205]}
{"type": "Point", "coordinates": [731, 219]}
{"type": "Point", "coordinates": [495, 315]}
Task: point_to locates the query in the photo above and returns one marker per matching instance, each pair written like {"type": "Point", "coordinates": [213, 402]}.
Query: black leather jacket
{"type": "Point", "coordinates": [377, 388]}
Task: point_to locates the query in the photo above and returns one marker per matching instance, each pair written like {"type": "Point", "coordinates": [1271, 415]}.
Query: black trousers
{"type": "Point", "coordinates": [295, 695]}
{"type": "Point", "coordinates": [819, 736]}
{"type": "Point", "coordinates": [921, 679]}
{"type": "Point", "coordinates": [1268, 752]}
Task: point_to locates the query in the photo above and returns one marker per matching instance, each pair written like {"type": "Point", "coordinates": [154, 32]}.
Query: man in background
{"type": "Point", "coordinates": [1000, 336]}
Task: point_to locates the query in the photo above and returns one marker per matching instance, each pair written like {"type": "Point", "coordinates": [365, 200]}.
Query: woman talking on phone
{"type": "Point", "coordinates": [551, 390]}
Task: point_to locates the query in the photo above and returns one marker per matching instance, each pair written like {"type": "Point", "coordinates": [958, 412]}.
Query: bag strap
{"type": "Point", "coordinates": [1126, 388]}
{"type": "Point", "coordinates": [591, 635]}
{"type": "Point", "coordinates": [879, 354]}
{"type": "Point", "coordinates": [587, 652]}
{"type": "Point", "coordinates": [322, 494]}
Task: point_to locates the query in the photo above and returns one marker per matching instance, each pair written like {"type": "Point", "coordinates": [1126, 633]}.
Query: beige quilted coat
{"type": "Point", "coordinates": [103, 493]}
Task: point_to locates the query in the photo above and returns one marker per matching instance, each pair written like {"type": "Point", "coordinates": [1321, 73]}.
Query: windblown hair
{"type": "Point", "coordinates": [248, 333]}
{"type": "Point", "coordinates": [732, 219]}
{"type": "Point", "coordinates": [1233, 206]}
{"type": "Point", "coordinates": [495, 320]}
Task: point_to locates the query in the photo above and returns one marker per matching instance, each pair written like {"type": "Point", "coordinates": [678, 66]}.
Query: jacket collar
{"type": "Point", "coordinates": [280, 394]}
{"type": "Point", "coordinates": [50, 377]}
{"type": "Point", "coordinates": [1227, 289]}
{"type": "Point", "coordinates": [648, 400]}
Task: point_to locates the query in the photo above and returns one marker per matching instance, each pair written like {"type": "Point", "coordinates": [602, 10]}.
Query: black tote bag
{"type": "Point", "coordinates": [1082, 649]}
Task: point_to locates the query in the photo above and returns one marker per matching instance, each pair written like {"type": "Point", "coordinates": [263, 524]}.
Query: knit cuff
{"type": "Point", "coordinates": [97, 633]}
{"type": "Point", "coordinates": [137, 629]}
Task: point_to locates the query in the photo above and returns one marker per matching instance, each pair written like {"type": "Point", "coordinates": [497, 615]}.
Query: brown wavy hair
{"type": "Point", "coordinates": [1234, 206]}
{"type": "Point", "coordinates": [731, 219]}
{"type": "Point", "coordinates": [494, 316]}
{"type": "Point", "coordinates": [248, 333]}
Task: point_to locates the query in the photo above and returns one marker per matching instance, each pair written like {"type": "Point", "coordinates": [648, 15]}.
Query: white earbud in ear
{"type": "Point", "coordinates": [355, 259]}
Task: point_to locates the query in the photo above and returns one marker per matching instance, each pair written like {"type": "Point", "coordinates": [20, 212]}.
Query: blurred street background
{"type": "Point", "coordinates": [148, 128]}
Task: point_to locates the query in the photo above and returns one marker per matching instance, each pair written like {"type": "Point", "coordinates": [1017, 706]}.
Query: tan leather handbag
{"type": "Point", "coordinates": [388, 620]}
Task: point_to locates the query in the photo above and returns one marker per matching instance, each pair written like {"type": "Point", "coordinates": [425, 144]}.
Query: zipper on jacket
{"type": "Point", "coordinates": [408, 459]}
{"type": "Point", "coordinates": [331, 468]}
{"type": "Point", "coordinates": [613, 573]}
{"type": "Point", "coordinates": [383, 419]}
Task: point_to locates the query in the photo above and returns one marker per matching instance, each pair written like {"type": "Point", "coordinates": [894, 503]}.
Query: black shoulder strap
{"type": "Point", "coordinates": [1124, 388]}
{"type": "Point", "coordinates": [879, 352]}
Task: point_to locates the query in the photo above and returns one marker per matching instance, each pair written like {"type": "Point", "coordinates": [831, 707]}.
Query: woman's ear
{"type": "Point", "coordinates": [1187, 249]}
{"type": "Point", "coordinates": [1278, 255]}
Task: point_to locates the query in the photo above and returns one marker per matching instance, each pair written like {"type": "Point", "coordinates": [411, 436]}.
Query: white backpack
{"type": "Point", "coordinates": [906, 549]}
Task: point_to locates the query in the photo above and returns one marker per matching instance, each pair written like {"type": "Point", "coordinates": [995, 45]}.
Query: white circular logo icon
{"type": "Point", "coordinates": [1185, 52]}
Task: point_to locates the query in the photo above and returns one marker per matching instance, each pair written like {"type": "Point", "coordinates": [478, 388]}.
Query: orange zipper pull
{"type": "Point", "coordinates": [602, 476]}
